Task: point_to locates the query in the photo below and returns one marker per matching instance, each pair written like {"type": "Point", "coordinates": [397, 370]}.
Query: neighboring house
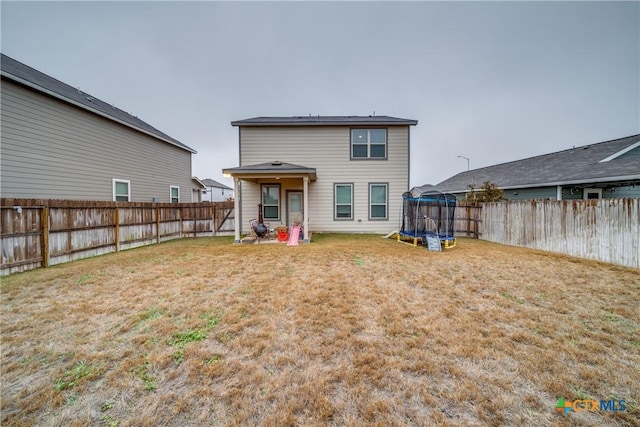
{"type": "Point", "coordinates": [609, 169]}
{"type": "Point", "coordinates": [61, 143]}
{"type": "Point", "coordinates": [216, 191]}
{"type": "Point", "coordinates": [197, 190]}
{"type": "Point", "coordinates": [330, 174]}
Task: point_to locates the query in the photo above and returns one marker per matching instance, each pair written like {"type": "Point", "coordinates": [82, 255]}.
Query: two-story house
{"type": "Point", "coordinates": [328, 173]}
{"type": "Point", "coordinates": [216, 191]}
{"type": "Point", "coordinates": [59, 142]}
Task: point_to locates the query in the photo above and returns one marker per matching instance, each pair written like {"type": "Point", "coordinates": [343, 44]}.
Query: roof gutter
{"type": "Point", "coordinates": [94, 111]}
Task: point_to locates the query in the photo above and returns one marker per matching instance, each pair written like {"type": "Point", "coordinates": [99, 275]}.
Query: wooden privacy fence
{"type": "Point", "coordinates": [605, 230]}
{"type": "Point", "coordinates": [467, 219]}
{"type": "Point", "coordinates": [40, 233]}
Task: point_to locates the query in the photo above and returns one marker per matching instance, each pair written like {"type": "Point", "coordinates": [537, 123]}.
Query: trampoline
{"type": "Point", "coordinates": [427, 215]}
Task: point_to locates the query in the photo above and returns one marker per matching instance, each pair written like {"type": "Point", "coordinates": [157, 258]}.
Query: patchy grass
{"type": "Point", "coordinates": [350, 330]}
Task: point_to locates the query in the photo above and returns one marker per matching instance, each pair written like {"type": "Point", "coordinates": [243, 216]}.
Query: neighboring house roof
{"type": "Point", "coordinates": [325, 121]}
{"type": "Point", "coordinates": [416, 191]}
{"type": "Point", "coordinates": [272, 168]}
{"type": "Point", "coordinates": [609, 161]}
{"type": "Point", "coordinates": [34, 79]}
{"type": "Point", "coordinates": [213, 183]}
{"type": "Point", "coordinates": [197, 181]}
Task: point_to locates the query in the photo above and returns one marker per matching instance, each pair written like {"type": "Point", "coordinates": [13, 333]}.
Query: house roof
{"type": "Point", "coordinates": [609, 161]}
{"type": "Point", "coordinates": [271, 169]}
{"type": "Point", "coordinates": [34, 79]}
{"type": "Point", "coordinates": [213, 183]}
{"type": "Point", "coordinates": [325, 121]}
{"type": "Point", "coordinates": [198, 182]}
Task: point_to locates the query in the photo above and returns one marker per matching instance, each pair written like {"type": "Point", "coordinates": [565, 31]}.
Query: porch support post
{"type": "Point", "coordinates": [236, 208]}
{"type": "Point", "coordinates": [305, 196]}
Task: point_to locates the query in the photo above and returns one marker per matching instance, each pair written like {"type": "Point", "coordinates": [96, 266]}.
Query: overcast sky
{"type": "Point", "coordinates": [491, 81]}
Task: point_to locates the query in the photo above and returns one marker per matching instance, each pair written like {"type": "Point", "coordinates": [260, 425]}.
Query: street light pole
{"type": "Point", "coordinates": [467, 159]}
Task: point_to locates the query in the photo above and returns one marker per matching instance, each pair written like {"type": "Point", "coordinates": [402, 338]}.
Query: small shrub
{"type": "Point", "coordinates": [487, 192]}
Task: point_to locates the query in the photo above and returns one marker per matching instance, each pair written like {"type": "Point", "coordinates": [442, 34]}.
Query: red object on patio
{"type": "Point", "coordinates": [283, 236]}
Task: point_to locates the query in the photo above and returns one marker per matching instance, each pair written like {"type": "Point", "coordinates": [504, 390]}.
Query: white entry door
{"type": "Point", "coordinates": [295, 212]}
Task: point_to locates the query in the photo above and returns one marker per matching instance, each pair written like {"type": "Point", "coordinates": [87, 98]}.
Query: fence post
{"type": "Point", "coordinates": [44, 237]}
{"type": "Point", "coordinates": [157, 225]}
{"type": "Point", "coordinates": [181, 215]}
{"type": "Point", "coordinates": [468, 208]}
{"type": "Point", "coordinates": [214, 228]}
{"type": "Point", "coordinates": [478, 215]}
{"type": "Point", "coordinates": [117, 228]}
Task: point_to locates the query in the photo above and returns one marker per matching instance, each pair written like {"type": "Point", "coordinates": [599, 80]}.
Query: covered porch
{"type": "Point", "coordinates": [283, 186]}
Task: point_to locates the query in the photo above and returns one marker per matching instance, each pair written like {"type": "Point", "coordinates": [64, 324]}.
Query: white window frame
{"type": "Point", "coordinates": [386, 203]}
{"type": "Point", "coordinates": [335, 201]}
{"type": "Point", "coordinates": [369, 144]}
{"type": "Point", "coordinates": [114, 181]}
{"type": "Point", "coordinates": [586, 191]}
{"type": "Point", "coordinates": [171, 187]}
{"type": "Point", "coordinates": [264, 217]}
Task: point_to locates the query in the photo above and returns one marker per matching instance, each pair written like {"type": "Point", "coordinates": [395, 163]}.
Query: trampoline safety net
{"type": "Point", "coordinates": [430, 213]}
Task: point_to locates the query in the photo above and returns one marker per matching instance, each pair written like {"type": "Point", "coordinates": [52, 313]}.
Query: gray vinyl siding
{"type": "Point", "coordinates": [572, 192]}
{"type": "Point", "coordinates": [53, 150]}
{"type": "Point", "coordinates": [531, 193]}
{"type": "Point", "coordinates": [627, 191]}
{"type": "Point", "coordinates": [568, 192]}
{"type": "Point", "coordinates": [521, 194]}
{"type": "Point", "coordinates": [327, 149]}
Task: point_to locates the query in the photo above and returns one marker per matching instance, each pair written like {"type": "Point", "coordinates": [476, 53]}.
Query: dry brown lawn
{"type": "Point", "coordinates": [349, 330]}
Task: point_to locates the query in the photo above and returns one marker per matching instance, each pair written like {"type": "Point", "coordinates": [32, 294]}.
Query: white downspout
{"type": "Point", "coordinates": [236, 208]}
{"type": "Point", "coordinates": [305, 212]}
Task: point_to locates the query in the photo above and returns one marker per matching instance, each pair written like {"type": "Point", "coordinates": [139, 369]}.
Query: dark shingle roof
{"type": "Point", "coordinates": [574, 166]}
{"type": "Point", "coordinates": [213, 183]}
{"type": "Point", "coordinates": [325, 121]}
{"type": "Point", "coordinates": [272, 168]}
{"type": "Point", "coordinates": [25, 75]}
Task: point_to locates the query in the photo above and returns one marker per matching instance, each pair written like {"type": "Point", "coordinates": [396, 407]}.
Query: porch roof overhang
{"type": "Point", "coordinates": [270, 170]}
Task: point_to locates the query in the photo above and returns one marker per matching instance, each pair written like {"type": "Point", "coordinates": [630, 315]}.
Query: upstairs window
{"type": "Point", "coordinates": [175, 194]}
{"type": "Point", "coordinates": [121, 190]}
{"type": "Point", "coordinates": [368, 143]}
{"type": "Point", "coordinates": [271, 202]}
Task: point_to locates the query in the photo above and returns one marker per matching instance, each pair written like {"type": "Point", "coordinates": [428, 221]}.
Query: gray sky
{"type": "Point", "coordinates": [492, 81]}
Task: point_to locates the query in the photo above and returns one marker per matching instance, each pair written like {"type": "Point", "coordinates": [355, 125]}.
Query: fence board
{"type": "Point", "coordinates": [467, 219]}
{"type": "Point", "coordinates": [605, 230]}
{"type": "Point", "coordinates": [50, 232]}
{"type": "Point", "coordinates": [20, 232]}
{"type": "Point", "coordinates": [224, 218]}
